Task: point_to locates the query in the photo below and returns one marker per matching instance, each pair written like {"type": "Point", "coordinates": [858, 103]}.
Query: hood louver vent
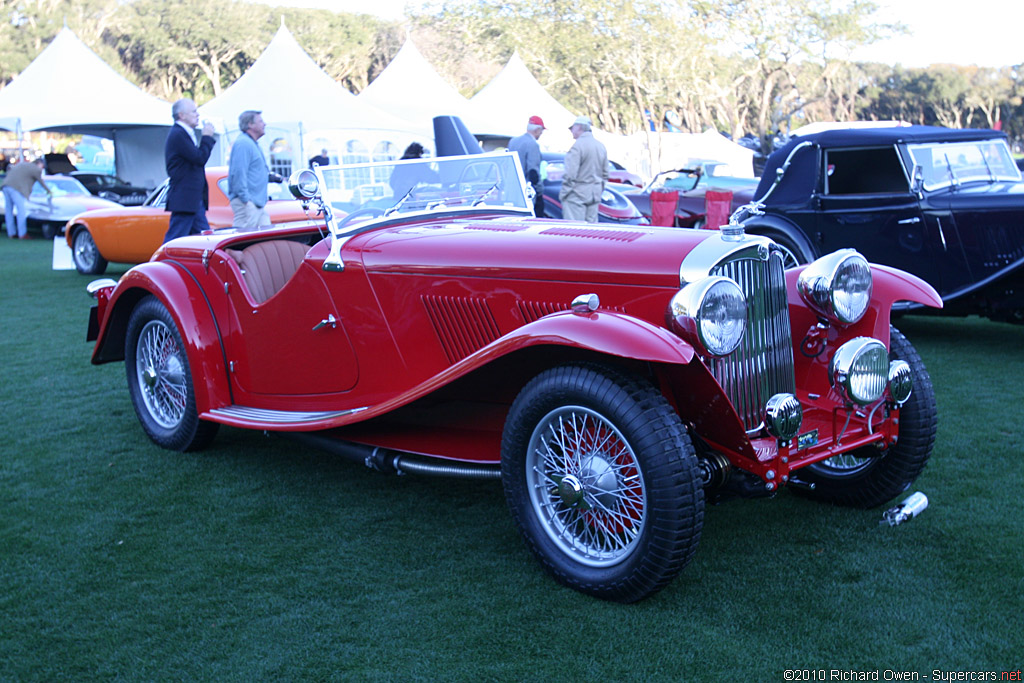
{"type": "Point", "coordinates": [595, 233]}
{"type": "Point", "coordinates": [463, 324]}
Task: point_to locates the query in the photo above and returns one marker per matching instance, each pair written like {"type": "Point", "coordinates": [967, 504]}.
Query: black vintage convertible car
{"type": "Point", "coordinates": [946, 205]}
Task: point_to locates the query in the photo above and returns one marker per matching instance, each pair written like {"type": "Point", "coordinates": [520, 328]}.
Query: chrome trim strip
{"type": "Point", "coordinates": [236, 412]}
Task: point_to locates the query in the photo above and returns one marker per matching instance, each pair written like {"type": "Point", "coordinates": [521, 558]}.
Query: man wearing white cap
{"type": "Point", "coordinates": [529, 158]}
{"type": "Point", "coordinates": [586, 172]}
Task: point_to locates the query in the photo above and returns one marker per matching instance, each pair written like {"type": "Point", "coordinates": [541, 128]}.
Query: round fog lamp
{"type": "Point", "coordinates": [783, 416]}
{"type": "Point", "coordinates": [901, 381]}
{"type": "Point", "coordinates": [860, 370]}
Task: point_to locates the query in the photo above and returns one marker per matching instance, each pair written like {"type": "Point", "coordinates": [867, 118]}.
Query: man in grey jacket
{"type": "Point", "coordinates": [528, 148]}
{"type": "Point", "coordinates": [248, 174]}
{"type": "Point", "coordinates": [586, 172]}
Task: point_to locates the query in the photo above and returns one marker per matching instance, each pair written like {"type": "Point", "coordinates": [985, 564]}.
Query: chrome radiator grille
{"type": "Point", "coordinates": [762, 366]}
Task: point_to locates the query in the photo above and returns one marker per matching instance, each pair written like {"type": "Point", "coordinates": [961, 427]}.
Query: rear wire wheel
{"type": "Point", "coordinates": [160, 382]}
{"type": "Point", "coordinates": [865, 479]}
{"type": "Point", "coordinates": [602, 481]}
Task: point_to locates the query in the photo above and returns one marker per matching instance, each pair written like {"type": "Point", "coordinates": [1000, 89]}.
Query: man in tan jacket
{"type": "Point", "coordinates": [586, 172]}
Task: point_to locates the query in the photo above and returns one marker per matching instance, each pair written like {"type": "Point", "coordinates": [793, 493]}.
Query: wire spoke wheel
{"type": "Point", "coordinates": [160, 371]}
{"type": "Point", "coordinates": [586, 485]}
{"type": "Point", "coordinates": [602, 481]}
{"type": "Point", "coordinates": [160, 382]}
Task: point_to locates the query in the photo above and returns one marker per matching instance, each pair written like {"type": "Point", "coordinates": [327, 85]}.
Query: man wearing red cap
{"type": "Point", "coordinates": [529, 158]}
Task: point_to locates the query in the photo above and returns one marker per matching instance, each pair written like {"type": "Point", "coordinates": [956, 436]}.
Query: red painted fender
{"type": "Point", "coordinates": [889, 285]}
{"type": "Point", "coordinates": [196, 324]}
{"type": "Point", "coordinates": [615, 334]}
{"type": "Point", "coordinates": [892, 284]}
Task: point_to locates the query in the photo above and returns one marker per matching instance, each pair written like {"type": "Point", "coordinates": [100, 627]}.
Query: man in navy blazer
{"type": "Point", "coordinates": [187, 193]}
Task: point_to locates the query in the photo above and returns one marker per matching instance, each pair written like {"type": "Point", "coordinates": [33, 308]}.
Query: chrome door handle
{"type": "Point", "coordinates": [329, 320]}
{"type": "Point", "coordinates": [909, 221]}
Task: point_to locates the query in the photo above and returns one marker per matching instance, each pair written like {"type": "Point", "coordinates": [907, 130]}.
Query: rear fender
{"type": "Point", "coordinates": [190, 308]}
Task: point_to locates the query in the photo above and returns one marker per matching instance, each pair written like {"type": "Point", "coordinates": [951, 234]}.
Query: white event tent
{"type": "Point", "coordinates": [651, 153]}
{"type": "Point", "coordinates": [305, 110]}
{"type": "Point", "coordinates": [506, 103]}
{"type": "Point", "coordinates": [69, 89]}
{"type": "Point", "coordinates": [411, 88]}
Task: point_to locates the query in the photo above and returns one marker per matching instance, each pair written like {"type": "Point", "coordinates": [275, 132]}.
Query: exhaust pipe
{"type": "Point", "coordinates": [394, 462]}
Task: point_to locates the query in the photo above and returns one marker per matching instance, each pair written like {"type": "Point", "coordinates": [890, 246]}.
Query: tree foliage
{"type": "Point", "coordinates": [738, 66]}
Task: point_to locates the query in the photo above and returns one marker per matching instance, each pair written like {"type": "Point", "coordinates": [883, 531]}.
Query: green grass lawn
{"type": "Point", "coordinates": [258, 560]}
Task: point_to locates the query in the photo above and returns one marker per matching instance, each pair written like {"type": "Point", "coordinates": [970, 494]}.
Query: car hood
{"type": "Point", "coordinates": [990, 196]}
{"type": "Point", "coordinates": [532, 249]}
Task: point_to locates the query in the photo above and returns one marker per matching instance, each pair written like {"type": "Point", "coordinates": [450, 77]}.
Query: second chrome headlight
{"type": "Point", "coordinates": [713, 311]}
{"type": "Point", "coordinates": [838, 286]}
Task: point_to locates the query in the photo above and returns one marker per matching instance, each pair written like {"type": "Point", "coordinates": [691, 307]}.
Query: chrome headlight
{"type": "Point", "coordinates": [901, 381]}
{"type": "Point", "coordinates": [713, 310]}
{"type": "Point", "coordinates": [837, 286]}
{"type": "Point", "coordinates": [303, 184]}
{"type": "Point", "coordinates": [860, 370]}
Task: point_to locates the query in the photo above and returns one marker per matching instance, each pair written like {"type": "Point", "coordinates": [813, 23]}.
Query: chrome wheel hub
{"type": "Point", "coordinates": [571, 491]}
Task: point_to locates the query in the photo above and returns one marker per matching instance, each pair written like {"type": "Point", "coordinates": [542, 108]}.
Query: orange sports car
{"type": "Point", "coordinates": [132, 234]}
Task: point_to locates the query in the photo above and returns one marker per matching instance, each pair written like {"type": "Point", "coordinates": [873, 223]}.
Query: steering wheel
{"type": "Point", "coordinates": [370, 211]}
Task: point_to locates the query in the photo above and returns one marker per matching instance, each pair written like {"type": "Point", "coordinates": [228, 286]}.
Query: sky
{"type": "Point", "coordinates": [941, 31]}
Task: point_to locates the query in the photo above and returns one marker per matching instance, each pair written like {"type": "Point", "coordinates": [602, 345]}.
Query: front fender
{"type": "Point", "coordinates": [614, 334]}
{"type": "Point", "coordinates": [889, 285]}
{"type": "Point", "coordinates": [172, 285]}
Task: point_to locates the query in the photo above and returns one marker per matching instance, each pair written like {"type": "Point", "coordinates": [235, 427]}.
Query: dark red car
{"type": "Point", "coordinates": [613, 377]}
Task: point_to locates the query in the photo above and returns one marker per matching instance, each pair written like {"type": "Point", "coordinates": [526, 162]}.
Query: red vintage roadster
{"type": "Point", "coordinates": [613, 377]}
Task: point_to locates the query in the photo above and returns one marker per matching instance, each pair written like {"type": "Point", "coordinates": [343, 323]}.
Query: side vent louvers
{"type": "Point", "coordinates": [463, 324]}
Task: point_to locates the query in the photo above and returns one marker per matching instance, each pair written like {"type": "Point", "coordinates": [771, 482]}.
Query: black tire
{"type": "Point", "coordinates": [593, 523]}
{"type": "Point", "coordinates": [160, 382]}
{"type": "Point", "coordinates": [865, 482]}
{"type": "Point", "coordinates": [85, 254]}
{"type": "Point", "coordinates": [49, 231]}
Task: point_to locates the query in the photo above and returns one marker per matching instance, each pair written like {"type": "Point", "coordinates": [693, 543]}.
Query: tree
{"type": "Point", "coordinates": [28, 26]}
{"type": "Point", "coordinates": [780, 42]}
{"type": "Point", "coordinates": [190, 47]}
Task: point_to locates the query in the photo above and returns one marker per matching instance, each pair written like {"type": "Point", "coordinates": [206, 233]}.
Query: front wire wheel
{"type": "Point", "coordinates": [585, 486]}
{"type": "Point", "coordinates": [602, 481]}
{"type": "Point", "coordinates": [865, 479]}
{"type": "Point", "coordinates": [159, 380]}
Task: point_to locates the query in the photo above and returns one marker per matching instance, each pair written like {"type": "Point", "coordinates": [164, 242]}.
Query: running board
{"type": "Point", "coordinates": [244, 414]}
